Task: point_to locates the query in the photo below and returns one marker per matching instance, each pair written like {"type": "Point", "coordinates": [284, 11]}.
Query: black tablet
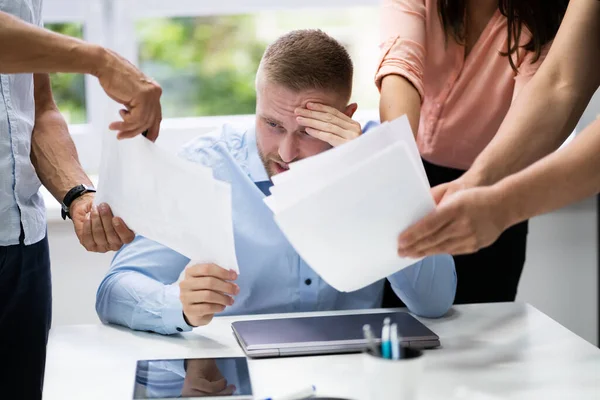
{"type": "Point", "coordinates": [212, 378]}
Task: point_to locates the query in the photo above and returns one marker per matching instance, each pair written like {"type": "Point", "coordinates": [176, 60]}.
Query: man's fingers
{"type": "Point", "coordinates": [214, 270]}
{"type": "Point", "coordinates": [228, 391]}
{"type": "Point", "coordinates": [427, 226]}
{"type": "Point", "coordinates": [125, 234]}
{"type": "Point", "coordinates": [154, 130]}
{"type": "Point", "coordinates": [329, 127]}
{"type": "Point", "coordinates": [210, 283]}
{"type": "Point", "coordinates": [330, 138]}
{"type": "Point", "coordinates": [205, 296]}
{"type": "Point", "coordinates": [202, 309]}
{"type": "Point", "coordinates": [106, 216]}
{"type": "Point", "coordinates": [205, 387]}
{"type": "Point", "coordinates": [128, 134]}
{"type": "Point", "coordinates": [131, 125]}
{"type": "Point", "coordinates": [98, 229]}
{"type": "Point", "coordinates": [86, 238]}
{"type": "Point", "coordinates": [328, 114]}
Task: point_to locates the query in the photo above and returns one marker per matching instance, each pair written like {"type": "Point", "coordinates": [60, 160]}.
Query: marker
{"type": "Point", "coordinates": [304, 393]}
{"type": "Point", "coordinates": [370, 338]}
{"type": "Point", "coordinates": [395, 342]}
{"type": "Point", "coordinates": [386, 349]}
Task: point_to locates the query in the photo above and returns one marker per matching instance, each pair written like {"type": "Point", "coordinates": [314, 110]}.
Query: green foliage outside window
{"type": "Point", "coordinates": [206, 66]}
{"type": "Point", "coordinates": [69, 89]}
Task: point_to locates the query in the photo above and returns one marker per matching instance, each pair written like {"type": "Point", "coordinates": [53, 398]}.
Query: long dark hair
{"type": "Point", "coordinates": [541, 17]}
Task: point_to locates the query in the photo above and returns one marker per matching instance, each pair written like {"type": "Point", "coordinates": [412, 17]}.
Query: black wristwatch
{"type": "Point", "coordinates": [70, 197]}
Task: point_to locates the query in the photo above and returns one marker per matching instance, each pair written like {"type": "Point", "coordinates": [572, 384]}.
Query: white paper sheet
{"type": "Point", "coordinates": [355, 151]}
{"type": "Point", "coordinates": [344, 215]}
{"type": "Point", "coordinates": [167, 199]}
{"type": "Point", "coordinates": [311, 174]}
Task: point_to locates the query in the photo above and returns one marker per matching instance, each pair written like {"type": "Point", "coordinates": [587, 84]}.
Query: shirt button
{"type": "Point", "coordinates": [179, 329]}
{"type": "Point", "coordinates": [308, 281]}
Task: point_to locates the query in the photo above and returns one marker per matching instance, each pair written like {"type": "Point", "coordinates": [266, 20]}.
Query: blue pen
{"type": "Point", "coordinates": [386, 345]}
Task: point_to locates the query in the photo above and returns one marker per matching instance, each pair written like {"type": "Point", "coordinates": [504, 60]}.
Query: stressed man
{"type": "Point", "coordinates": [303, 86]}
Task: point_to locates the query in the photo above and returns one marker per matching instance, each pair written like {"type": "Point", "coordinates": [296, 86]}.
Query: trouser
{"type": "Point", "coordinates": [25, 315]}
{"type": "Point", "coordinates": [490, 275]}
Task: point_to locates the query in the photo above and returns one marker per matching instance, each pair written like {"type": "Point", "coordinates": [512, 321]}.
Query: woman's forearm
{"type": "Point", "coordinates": [569, 175]}
{"type": "Point", "coordinates": [523, 139]}
{"type": "Point", "coordinates": [550, 105]}
{"type": "Point", "coordinates": [399, 97]}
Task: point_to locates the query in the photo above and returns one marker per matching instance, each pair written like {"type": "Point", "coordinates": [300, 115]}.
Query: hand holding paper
{"type": "Point", "coordinates": [342, 210]}
{"type": "Point", "coordinates": [169, 200]}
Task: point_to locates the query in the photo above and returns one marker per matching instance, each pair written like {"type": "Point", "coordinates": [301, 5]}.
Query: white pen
{"type": "Point", "coordinates": [395, 343]}
{"type": "Point", "coordinates": [370, 338]}
{"type": "Point", "coordinates": [304, 393]}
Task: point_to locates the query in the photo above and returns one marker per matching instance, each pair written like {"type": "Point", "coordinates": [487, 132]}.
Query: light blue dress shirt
{"type": "Point", "coordinates": [20, 200]}
{"type": "Point", "coordinates": [140, 289]}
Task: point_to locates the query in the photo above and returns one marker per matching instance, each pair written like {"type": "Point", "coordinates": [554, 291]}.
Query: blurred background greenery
{"type": "Point", "coordinates": [69, 89]}
{"type": "Point", "coordinates": [206, 66]}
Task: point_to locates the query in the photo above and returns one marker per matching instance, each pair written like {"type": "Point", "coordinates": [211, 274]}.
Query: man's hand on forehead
{"type": "Point", "coordinates": [328, 124]}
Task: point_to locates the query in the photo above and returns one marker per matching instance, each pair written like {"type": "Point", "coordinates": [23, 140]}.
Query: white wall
{"type": "Point", "coordinates": [560, 276]}
{"type": "Point", "coordinates": [561, 272]}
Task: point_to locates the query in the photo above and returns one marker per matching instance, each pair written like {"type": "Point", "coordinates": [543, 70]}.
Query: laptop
{"type": "Point", "coordinates": [325, 334]}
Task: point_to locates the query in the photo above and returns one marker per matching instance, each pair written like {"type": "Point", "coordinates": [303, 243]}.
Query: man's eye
{"type": "Point", "coordinates": [272, 124]}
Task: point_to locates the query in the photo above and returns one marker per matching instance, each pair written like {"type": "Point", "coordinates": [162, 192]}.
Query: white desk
{"type": "Point", "coordinates": [493, 351]}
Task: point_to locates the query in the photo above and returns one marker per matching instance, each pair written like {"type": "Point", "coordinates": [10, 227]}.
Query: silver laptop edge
{"type": "Point", "coordinates": [330, 347]}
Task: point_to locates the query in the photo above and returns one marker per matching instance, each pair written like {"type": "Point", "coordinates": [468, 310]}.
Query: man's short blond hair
{"type": "Point", "coordinates": [308, 59]}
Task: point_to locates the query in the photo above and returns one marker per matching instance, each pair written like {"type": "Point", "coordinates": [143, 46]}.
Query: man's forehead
{"type": "Point", "coordinates": [286, 100]}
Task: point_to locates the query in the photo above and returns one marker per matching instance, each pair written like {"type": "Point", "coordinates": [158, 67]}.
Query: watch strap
{"type": "Point", "coordinates": [71, 196]}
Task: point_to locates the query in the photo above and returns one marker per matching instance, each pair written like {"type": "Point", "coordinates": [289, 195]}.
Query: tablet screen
{"type": "Point", "coordinates": [193, 378]}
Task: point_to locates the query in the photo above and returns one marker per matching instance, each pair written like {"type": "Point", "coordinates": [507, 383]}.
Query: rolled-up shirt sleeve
{"type": "Point", "coordinates": [403, 36]}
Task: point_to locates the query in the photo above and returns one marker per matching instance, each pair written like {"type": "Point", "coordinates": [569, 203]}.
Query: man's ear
{"type": "Point", "coordinates": [351, 109]}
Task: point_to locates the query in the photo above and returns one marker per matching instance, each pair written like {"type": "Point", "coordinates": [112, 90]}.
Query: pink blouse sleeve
{"type": "Point", "coordinates": [403, 35]}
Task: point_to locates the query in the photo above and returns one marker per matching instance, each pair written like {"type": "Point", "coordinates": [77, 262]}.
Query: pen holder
{"type": "Point", "coordinates": [393, 379]}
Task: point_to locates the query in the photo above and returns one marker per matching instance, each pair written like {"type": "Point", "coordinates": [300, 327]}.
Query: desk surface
{"type": "Point", "coordinates": [491, 351]}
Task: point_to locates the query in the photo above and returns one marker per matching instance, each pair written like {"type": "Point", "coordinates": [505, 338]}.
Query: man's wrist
{"type": "Point", "coordinates": [97, 59]}
{"type": "Point", "coordinates": [80, 200]}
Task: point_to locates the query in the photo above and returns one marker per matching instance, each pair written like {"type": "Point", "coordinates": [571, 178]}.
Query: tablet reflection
{"type": "Point", "coordinates": [192, 378]}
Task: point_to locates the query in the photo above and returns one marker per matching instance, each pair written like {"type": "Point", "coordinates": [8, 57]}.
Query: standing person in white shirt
{"type": "Point", "coordinates": [35, 148]}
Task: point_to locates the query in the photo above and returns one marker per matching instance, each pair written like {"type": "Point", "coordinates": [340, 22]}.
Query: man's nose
{"type": "Point", "coordinates": [288, 148]}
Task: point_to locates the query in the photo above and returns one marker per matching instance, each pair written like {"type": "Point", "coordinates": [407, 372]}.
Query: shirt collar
{"type": "Point", "coordinates": [256, 169]}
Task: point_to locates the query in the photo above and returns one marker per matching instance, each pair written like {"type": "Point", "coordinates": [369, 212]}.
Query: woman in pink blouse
{"type": "Point", "coordinates": [454, 67]}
